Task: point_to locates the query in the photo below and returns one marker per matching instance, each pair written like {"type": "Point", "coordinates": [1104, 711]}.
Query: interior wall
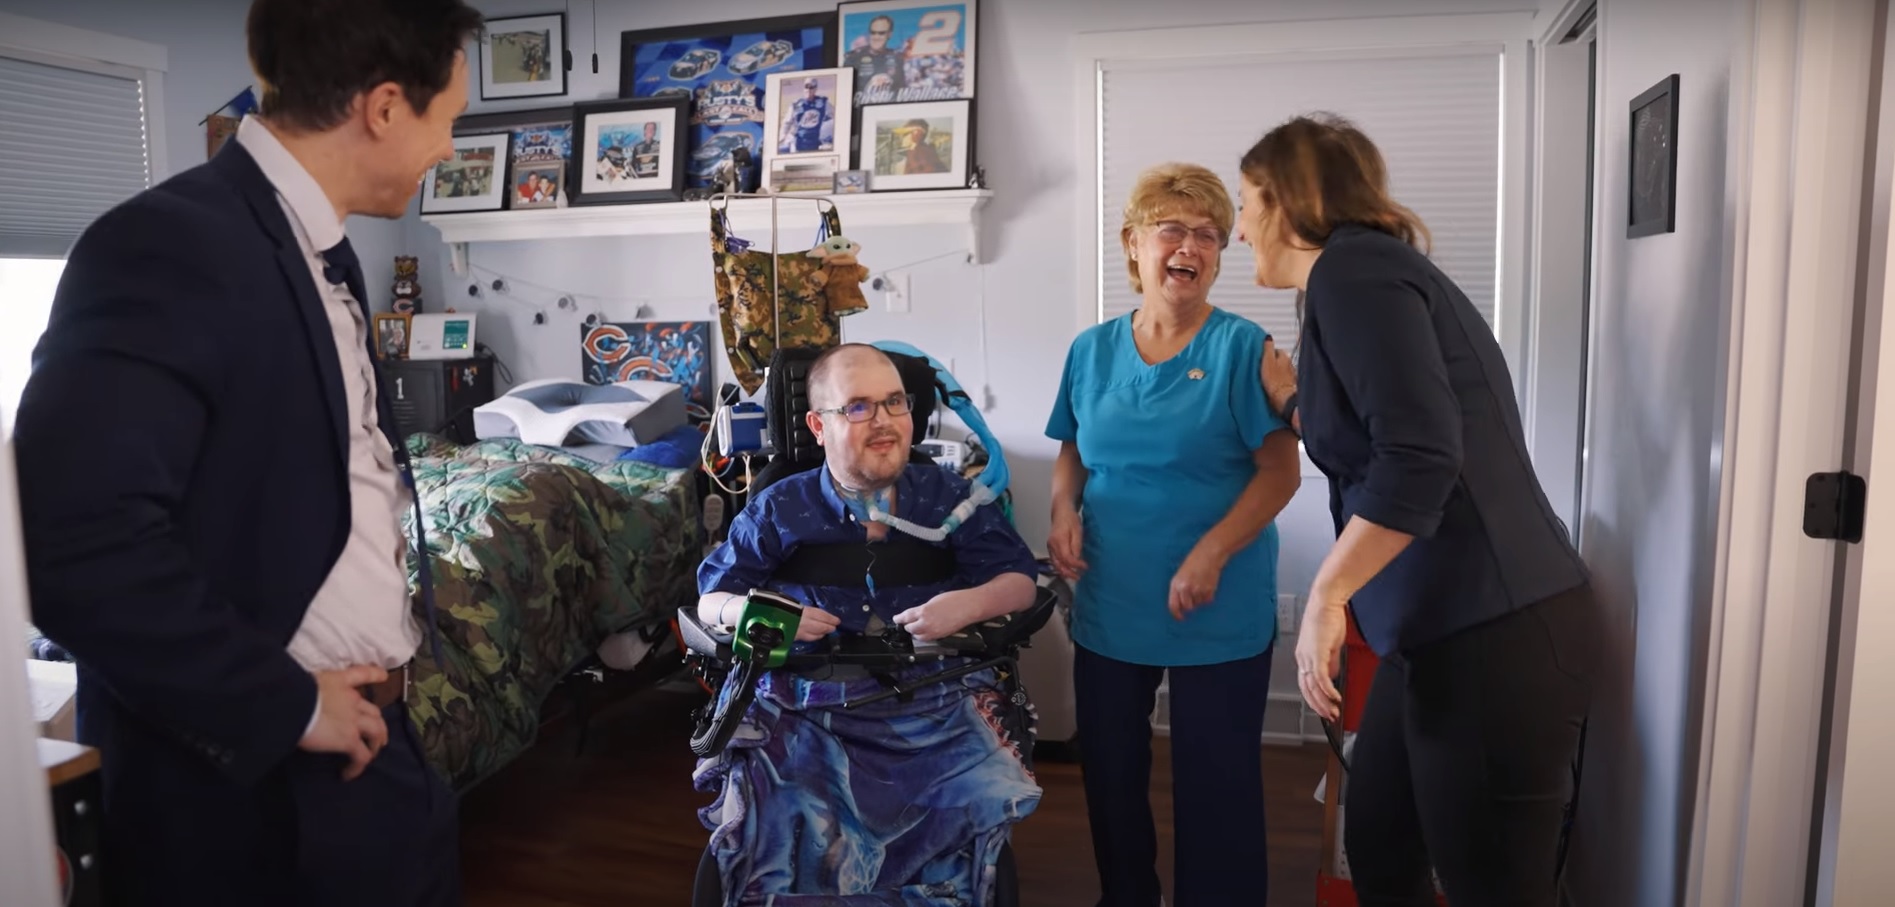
{"type": "Point", "coordinates": [1659, 344]}
{"type": "Point", "coordinates": [208, 65]}
{"type": "Point", "coordinates": [1002, 327]}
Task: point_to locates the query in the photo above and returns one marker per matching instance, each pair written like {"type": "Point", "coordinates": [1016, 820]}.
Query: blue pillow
{"type": "Point", "coordinates": [678, 448]}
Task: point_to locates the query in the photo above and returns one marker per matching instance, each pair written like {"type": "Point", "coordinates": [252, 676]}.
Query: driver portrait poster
{"type": "Point", "coordinates": [722, 68]}
{"type": "Point", "coordinates": [908, 50]}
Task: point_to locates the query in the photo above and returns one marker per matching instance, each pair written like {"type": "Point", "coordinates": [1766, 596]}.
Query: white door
{"type": "Point", "coordinates": [27, 875]}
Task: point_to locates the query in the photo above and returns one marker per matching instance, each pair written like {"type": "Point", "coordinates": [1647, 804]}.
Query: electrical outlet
{"type": "Point", "coordinates": [1285, 613]}
{"type": "Point", "coordinates": [896, 292]}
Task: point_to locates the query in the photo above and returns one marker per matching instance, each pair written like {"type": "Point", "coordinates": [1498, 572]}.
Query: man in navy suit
{"type": "Point", "coordinates": [212, 488]}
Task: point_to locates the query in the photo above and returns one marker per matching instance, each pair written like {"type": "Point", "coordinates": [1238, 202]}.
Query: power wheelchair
{"type": "Point", "coordinates": [761, 640]}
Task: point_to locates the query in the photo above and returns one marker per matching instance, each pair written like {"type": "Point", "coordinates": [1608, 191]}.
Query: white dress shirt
{"type": "Point", "coordinates": [360, 615]}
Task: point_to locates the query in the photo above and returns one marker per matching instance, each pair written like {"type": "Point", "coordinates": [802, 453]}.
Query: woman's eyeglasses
{"type": "Point", "coordinates": [1173, 232]}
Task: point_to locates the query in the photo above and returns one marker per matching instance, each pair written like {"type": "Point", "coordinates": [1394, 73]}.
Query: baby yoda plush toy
{"type": "Point", "coordinates": [841, 277]}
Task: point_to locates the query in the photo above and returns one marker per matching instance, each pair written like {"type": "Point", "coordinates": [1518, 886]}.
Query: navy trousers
{"type": "Point", "coordinates": [1217, 778]}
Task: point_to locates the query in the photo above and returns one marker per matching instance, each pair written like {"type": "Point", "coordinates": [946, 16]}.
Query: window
{"type": "Point", "coordinates": [26, 295]}
{"type": "Point", "coordinates": [1434, 113]}
{"type": "Point", "coordinates": [80, 118]}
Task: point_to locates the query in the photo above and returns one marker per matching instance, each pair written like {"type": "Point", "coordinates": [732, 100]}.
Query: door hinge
{"type": "Point", "coordinates": [1833, 505]}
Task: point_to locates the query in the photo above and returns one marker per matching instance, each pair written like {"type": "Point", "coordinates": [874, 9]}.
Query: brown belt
{"type": "Point", "coordinates": [390, 691]}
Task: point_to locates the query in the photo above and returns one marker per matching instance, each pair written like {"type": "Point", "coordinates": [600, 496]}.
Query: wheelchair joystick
{"type": "Point", "coordinates": [765, 629]}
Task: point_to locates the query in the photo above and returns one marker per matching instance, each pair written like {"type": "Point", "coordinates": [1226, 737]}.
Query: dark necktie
{"type": "Point", "coordinates": [341, 266]}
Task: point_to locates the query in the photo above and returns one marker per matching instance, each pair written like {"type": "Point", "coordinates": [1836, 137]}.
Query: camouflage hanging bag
{"type": "Point", "coordinates": [767, 301]}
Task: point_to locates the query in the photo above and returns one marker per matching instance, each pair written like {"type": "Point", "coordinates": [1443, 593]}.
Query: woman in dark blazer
{"type": "Point", "coordinates": [1448, 555]}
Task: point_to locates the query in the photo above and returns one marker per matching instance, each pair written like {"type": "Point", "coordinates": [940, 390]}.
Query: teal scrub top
{"type": "Point", "coordinates": [1168, 448]}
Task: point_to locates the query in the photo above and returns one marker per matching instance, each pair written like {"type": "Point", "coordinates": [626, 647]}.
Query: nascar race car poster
{"type": "Point", "coordinates": [908, 50]}
{"type": "Point", "coordinates": [722, 67]}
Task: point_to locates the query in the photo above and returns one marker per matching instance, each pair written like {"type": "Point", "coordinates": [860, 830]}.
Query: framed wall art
{"type": "Point", "coordinates": [923, 145]}
{"type": "Point", "coordinates": [629, 151]}
{"type": "Point", "coordinates": [523, 57]}
{"type": "Point", "coordinates": [908, 50]}
{"type": "Point", "coordinates": [675, 351]}
{"type": "Point", "coordinates": [1652, 193]}
{"type": "Point", "coordinates": [540, 149]}
{"type": "Point", "coordinates": [720, 68]}
{"type": "Point", "coordinates": [808, 114]}
{"type": "Point", "coordinates": [474, 179]}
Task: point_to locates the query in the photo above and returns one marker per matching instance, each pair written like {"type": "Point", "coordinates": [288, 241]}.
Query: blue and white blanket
{"type": "Point", "coordinates": [893, 803]}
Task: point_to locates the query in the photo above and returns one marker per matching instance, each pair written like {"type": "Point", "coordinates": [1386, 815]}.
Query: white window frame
{"type": "Point", "coordinates": [1093, 51]}
{"type": "Point", "coordinates": [53, 44]}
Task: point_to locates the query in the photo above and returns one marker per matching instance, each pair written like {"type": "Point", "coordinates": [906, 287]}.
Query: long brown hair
{"type": "Point", "coordinates": [1321, 172]}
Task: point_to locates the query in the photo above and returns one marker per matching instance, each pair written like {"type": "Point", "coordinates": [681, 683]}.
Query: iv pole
{"type": "Point", "coordinates": [776, 286]}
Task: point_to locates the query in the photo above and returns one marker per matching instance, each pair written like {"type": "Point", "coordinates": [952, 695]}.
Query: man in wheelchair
{"type": "Point", "coordinates": [872, 744]}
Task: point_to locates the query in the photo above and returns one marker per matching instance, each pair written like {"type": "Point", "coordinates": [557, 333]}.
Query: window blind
{"type": "Point", "coordinates": [72, 145]}
{"type": "Point", "coordinates": [1435, 115]}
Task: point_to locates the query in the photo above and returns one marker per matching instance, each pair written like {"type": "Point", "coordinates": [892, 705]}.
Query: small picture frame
{"type": "Point", "coordinates": [807, 113]}
{"type": "Point", "coordinates": [1652, 189]}
{"type": "Point", "coordinates": [851, 182]}
{"type": "Point", "coordinates": [629, 151]}
{"type": "Point", "coordinates": [540, 152]}
{"type": "Point", "coordinates": [908, 50]}
{"type": "Point", "coordinates": [392, 330]}
{"type": "Point", "coordinates": [523, 57]}
{"type": "Point", "coordinates": [924, 145]}
{"type": "Point", "coordinates": [804, 174]}
{"type": "Point", "coordinates": [474, 179]}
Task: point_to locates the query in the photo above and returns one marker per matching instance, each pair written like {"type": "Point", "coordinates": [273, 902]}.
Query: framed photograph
{"type": "Point", "coordinates": [629, 151]}
{"type": "Point", "coordinates": [808, 113]}
{"type": "Point", "coordinates": [923, 145]}
{"type": "Point", "coordinates": [474, 179]}
{"type": "Point", "coordinates": [391, 335]}
{"type": "Point", "coordinates": [541, 147]}
{"type": "Point", "coordinates": [1652, 193]}
{"type": "Point", "coordinates": [804, 173]}
{"type": "Point", "coordinates": [523, 57]}
{"type": "Point", "coordinates": [908, 50]}
{"type": "Point", "coordinates": [720, 68]}
{"type": "Point", "coordinates": [851, 182]}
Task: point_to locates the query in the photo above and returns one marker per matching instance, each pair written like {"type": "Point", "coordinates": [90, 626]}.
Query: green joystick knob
{"type": "Point", "coordinates": [766, 628]}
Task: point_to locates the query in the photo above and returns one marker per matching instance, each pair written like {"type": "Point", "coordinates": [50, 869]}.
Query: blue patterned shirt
{"type": "Point", "coordinates": [805, 509]}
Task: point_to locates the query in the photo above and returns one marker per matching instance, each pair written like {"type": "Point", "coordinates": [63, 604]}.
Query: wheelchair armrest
{"type": "Point", "coordinates": [1013, 630]}
{"type": "Point", "coordinates": [701, 638]}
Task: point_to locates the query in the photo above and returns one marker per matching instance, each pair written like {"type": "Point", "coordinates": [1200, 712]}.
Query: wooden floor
{"type": "Point", "coordinates": [617, 824]}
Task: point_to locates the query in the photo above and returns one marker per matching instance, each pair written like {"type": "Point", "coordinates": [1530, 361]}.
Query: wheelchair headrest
{"type": "Point", "coordinates": [786, 403]}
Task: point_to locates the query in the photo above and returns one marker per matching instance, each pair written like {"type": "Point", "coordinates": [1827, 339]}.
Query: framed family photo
{"type": "Point", "coordinates": [523, 57]}
{"type": "Point", "coordinates": [809, 115]}
{"type": "Point", "coordinates": [917, 146]}
{"type": "Point", "coordinates": [474, 179]}
{"type": "Point", "coordinates": [908, 50]}
{"type": "Point", "coordinates": [540, 147]}
{"type": "Point", "coordinates": [720, 69]}
{"type": "Point", "coordinates": [391, 334]}
{"type": "Point", "coordinates": [629, 151]}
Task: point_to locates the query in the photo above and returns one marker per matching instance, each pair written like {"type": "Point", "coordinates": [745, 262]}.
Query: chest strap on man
{"type": "Point", "coordinates": [891, 563]}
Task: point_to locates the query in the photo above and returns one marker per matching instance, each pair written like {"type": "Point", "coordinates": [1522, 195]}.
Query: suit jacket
{"type": "Point", "coordinates": [182, 453]}
{"type": "Point", "coordinates": [1407, 405]}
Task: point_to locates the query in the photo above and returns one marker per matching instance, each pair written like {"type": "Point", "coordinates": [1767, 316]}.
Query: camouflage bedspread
{"type": "Point", "coordinates": [537, 556]}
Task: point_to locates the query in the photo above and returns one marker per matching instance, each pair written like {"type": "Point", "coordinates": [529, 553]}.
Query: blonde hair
{"type": "Point", "coordinates": [1320, 172]}
{"type": "Point", "coordinates": [1171, 189]}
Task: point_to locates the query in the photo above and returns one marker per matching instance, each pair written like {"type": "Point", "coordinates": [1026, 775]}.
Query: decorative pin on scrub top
{"type": "Point", "coordinates": [1196, 374]}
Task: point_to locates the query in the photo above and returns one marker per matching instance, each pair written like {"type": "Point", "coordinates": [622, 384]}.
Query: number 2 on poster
{"type": "Point", "coordinates": [936, 33]}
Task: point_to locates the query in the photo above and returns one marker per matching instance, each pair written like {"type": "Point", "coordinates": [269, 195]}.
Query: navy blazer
{"type": "Point", "coordinates": [182, 455]}
{"type": "Point", "coordinates": [1407, 406]}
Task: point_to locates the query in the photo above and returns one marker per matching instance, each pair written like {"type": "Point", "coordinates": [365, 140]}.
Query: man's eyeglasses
{"type": "Point", "coordinates": [864, 410]}
{"type": "Point", "coordinates": [1173, 232]}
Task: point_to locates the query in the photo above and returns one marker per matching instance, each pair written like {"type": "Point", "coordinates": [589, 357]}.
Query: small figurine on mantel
{"type": "Point", "coordinates": [979, 179]}
{"type": "Point", "coordinates": [407, 285]}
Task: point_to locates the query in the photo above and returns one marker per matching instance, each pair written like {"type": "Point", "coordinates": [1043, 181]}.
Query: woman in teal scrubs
{"type": "Point", "coordinates": [1172, 467]}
